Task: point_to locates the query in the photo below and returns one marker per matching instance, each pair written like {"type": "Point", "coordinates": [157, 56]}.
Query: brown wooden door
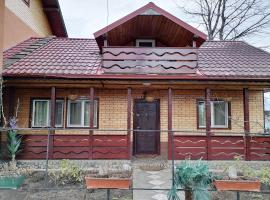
{"type": "Point", "coordinates": [146, 117]}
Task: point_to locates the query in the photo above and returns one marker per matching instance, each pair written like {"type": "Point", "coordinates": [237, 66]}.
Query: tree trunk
{"type": "Point", "coordinates": [188, 194]}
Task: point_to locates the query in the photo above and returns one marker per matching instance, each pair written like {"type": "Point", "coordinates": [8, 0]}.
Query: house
{"type": "Point", "coordinates": [22, 19]}
{"type": "Point", "coordinates": [148, 83]}
{"type": "Point", "coordinates": [30, 18]}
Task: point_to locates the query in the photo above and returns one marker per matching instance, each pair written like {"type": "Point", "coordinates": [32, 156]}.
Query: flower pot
{"type": "Point", "coordinates": [11, 182]}
{"type": "Point", "coordinates": [241, 185]}
{"type": "Point", "coordinates": [107, 183]}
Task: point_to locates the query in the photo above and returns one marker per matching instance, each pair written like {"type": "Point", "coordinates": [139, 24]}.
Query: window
{"type": "Point", "coordinates": [145, 43]}
{"type": "Point", "coordinates": [41, 113]}
{"type": "Point", "coordinates": [267, 112]}
{"type": "Point", "coordinates": [219, 114]}
{"type": "Point", "coordinates": [78, 113]}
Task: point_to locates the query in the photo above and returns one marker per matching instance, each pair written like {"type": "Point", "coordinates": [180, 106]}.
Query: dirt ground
{"type": "Point", "coordinates": [35, 188]}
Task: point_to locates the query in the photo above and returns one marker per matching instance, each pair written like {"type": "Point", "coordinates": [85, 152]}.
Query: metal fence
{"type": "Point", "coordinates": [48, 143]}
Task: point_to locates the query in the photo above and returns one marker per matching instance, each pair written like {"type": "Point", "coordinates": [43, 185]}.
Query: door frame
{"type": "Point", "coordinates": [157, 138]}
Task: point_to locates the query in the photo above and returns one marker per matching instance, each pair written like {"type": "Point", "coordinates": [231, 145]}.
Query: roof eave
{"type": "Point", "coordinates": [157, 9]}
{"type": "Point", "coordinates": [139, 77]}
{"type": "Point", "coordinates": [53, 8]}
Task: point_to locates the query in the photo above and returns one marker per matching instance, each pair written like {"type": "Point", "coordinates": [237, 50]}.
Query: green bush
{"type": "Point", "coordinates": [264, 175]}
{"type": "Point", "coordinates": [68, 173]}
{"type": "Point", "coordinates": [195, 178]}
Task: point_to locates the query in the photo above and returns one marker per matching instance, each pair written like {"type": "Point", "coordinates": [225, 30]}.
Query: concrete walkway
{"type": "Point", "coordinates": [151, 180]}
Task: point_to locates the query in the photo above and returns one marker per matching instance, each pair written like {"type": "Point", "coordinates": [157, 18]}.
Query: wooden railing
{"type": "Point", "coordinates": [220, 147]}
{"type": "Point", "coordinates": [149, 60]}
{"type": "Point", "coordinates": [75, 147]}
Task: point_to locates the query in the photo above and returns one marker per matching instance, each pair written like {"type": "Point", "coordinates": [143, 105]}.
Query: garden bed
{"type": "Point", "coordinates": [35, 188]}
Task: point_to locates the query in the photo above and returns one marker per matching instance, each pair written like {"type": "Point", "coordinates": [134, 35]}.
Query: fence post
{"type": "Point", "coordinates": [47, 156]}
{"type": "Point", "coordinates": [91, 122]}
{"type": "Point", "coordinates": [208, 122]}
{"type": "Point", "coordinates": [52, 131]}
{"type": "Point", "coordinates": [246, 123]}
{"type": "Point", "coordinates": [170, 134]}
{"type": "Point", "coordinates": [129, 102]}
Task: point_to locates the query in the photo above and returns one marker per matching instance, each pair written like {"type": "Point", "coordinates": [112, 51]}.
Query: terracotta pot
{"type": "Point", "coordinates": [241, 185]}
{"type": "Point", "coordinates": [105, 183]}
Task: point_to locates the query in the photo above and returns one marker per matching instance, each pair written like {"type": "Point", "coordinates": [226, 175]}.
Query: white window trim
{"type": "Point", "coordinates": [212, 115]}
{"type": "Point", "coordinates": [48, 114]}
{"type": "Point", "coordinates": [145, 40]}
{"type": "Point", "coordinates": [83, 101]}
{"type": "Point", "coordinates": [33, 112]}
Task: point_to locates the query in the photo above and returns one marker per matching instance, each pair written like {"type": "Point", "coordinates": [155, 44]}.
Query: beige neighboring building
{"type": "Point", "coordinates": [31, 18]}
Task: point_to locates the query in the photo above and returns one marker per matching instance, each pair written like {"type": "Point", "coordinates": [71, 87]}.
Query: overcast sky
{"type": "Point", "coordinates": [84, 17]}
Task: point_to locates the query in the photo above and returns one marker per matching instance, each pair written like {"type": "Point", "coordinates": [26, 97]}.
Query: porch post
{"type": "Point", "coordinates": [52, 132]}
{"type": "Point", "coordinates": [129, 102]}
{"type": "Point", "coordinates": [91, 122]}
{"type": "Point", "coordinates": [246, 123]}
{"type": "Point", "coordinates": [208, 122]}
{"type": "Point", "coordinates": [170, 135]}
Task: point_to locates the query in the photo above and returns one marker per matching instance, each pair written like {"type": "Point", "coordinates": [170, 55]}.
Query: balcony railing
{"type": "Point", "coordinates": [158, 60]}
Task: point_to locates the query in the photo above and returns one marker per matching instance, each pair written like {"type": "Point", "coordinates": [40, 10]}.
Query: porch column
{"type": "Point", "coordinates": [208, 122]}
{"type": "Point", "coordinates": [91, 122]}
{"type": "Point", "coordinates": [170, 135]}
{"type": "Point", "coordinates": [52, 132]}
{"type": "Point", "coordinates": [246, 123]}
{"type": "Point", "coordinates": [129, 102]}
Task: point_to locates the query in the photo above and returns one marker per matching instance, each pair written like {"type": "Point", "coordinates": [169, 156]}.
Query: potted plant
{"type": "Point", "coordinates": [10, 175]}
{"type": "Point", "coordinates": [195, 178]}
{"type": "Point", "coordinates": [110, 177]}
{"type": "Point", "coordinates": [243, 179]}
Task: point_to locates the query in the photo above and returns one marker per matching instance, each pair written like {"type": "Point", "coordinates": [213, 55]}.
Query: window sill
{"type": "Point", "coordinates": [215, 128]}
{"type": "Point", "coordinates": [79, 127]}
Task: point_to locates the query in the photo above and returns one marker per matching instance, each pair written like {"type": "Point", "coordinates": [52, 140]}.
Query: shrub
{"type": "Point", "coordinates": [195, 178]}
{"type": "Point", "coordinates": [68, 173]}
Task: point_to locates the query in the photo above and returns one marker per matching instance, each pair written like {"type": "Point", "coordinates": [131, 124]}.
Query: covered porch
{"type": "Point", "coordinates": [125, 119]}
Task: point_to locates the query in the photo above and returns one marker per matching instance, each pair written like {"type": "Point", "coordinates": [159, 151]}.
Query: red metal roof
{"type": "Point", "coordinates": [233, 59]}
{"type": "Point", "coordinates": [80, 58]}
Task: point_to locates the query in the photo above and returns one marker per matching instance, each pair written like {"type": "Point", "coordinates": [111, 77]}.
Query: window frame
{"type": "Point", "coordinates": [228, 114]}
{"type": "Point", "coordinates": [146, 40]}
{"type": "Point", "coordinates": [68, 125]}
{"type": "Point", "coordinates": [33, 112]}
{"type": "Point", "coordinates": [266, 131]}
{"type": "Point", "coordinates": [63, 113]}
{"type": "Point", "coordinates": [32, 109]}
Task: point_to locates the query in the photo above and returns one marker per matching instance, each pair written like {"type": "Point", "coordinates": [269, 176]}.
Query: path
{"type": "Point", "coordinates": [152, 180]}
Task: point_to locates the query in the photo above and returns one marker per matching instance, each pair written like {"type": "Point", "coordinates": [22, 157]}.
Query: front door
{"type": "Point", "coordinates": [146, 118]}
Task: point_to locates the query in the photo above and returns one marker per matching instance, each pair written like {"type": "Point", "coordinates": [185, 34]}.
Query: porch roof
{"type": "Point", "coordinates": [53, 57]}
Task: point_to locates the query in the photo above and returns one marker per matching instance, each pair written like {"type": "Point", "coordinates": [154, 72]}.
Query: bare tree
{"type": "Point", "coordinates": [231, 19]}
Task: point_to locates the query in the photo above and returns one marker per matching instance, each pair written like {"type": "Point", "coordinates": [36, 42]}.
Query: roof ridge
{"type": "Point", "coordinates": [225, 41]}
{"type": "Point", "coordinates": [26, 51]}
{"type": "Point", "coordinates": [268, 53]}
{"type": "Point", "coordinates": [65, 38]}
